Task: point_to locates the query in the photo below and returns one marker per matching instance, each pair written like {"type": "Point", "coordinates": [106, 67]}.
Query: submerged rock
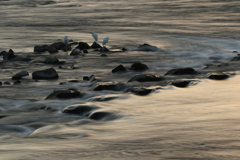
{"type": "Point", "coordinates": [51, 60]}
{"type": "Point", "coordinates": [64, 94]}
{"type": "Point", "coordinates": [138, 66]}
{"type": "Point", "coordinates": [114, 86]}
{"type": "Point", "coordinates": [103, 116]}
{"type": "Point", "coordinates": [218, 76]}
{"type": "Point", "coordinates": [19, 75]}
{"type": "Point", "coordinates": [146, 78]}
{"type": "Point", "coordinates": [95, 45]}
{"type": "Point", "coordinates": [81, 109]}
{"type": "Point", "coordinates": [147, 47]}
{"type": "Point", "coordinates": [119, 68]}
{"type": "Point", "coordinates": [141, 91]}
{"type": "Point", "coordinates": [46, 74]}
{"type": "Point", "coordinates": [181, 71]}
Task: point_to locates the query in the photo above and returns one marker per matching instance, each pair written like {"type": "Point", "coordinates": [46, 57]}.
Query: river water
{"type": "Point", "coordinates": [197, 122]}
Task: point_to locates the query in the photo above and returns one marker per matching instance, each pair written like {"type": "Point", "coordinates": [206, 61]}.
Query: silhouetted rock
{"type": "Point", "coordinates": [95, 45]}
{"type": "Point", "coordinates": [147, 47]}
{"type": "Point", "coordinates": [17, 82]}
{"type": "Point", "coordinates": [9, 55]}
{"type": "Point", "coordinates": [45, 74]}
{"type": "Point", "coordinates": [181, 71]}
{"type": "Point", "coordinates": [119, 68]}
{"type": "Point", "coordinates": [146, 78]}
{"type": "Point", "coordinates": [19, 75]}
{"type": "Point", "coordinates": [59, 45]}
{"type": "Point", "coordinates": [64, 94]}
{"type": "Point", "coordinates": [218, 76]}
{"type": "Point", "coordinates": [81, 109]}
{"type": "Point", "coordinates": [124, 49]}
{"type": "Point", "coordinates": [103, 55]}
{"type": "Point", "coordinates": [142, 91]}
{"type": "Point", "coordinates": [83, 45]}
{"type": "Point", "coordinates": [114, 86]}
{"type": "Point", "coordinates": [39, 49]}
{"type": "Point", "coordinates": [181, 84]}
{"type": "Point", "coordinates": [2, 53]}
{"type": "Point", "coordinates": [85, 51]}
{"type": "Point", "coordinates": [138, 66]}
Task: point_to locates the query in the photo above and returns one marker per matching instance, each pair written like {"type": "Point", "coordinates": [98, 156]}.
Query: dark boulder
{"type": "Point", "coordinates": [114, 86]}
{"type": "Point", "coordinates": [9, 55]}
{"type": "Point", "coordinates": [103, 98]}
{"type": "Point", "coordinates": [138, 66]}
{"type": "Point", "coordinates": [51, 49]}
{"type": "Point", "coordinates": [104, 49]}
{"type": "Point", "coordinates": [2, 53]}
{"type": "Point", "coordinates": [51, 60]}
{"type": "Point", "coordinates": [17, 82]}
{"type": "Point", "coordinates": [64, 94]}
{"type": "Point", "coordinates": [103, 116]}
{"type": "Point", "coordinates": [181, 71]}
{"type": "Point", "coordinates": [181, 84]}
{"type": "Point", "coordinates": [50, 73]}
{"type": "Point", "coordinates": [124, 49]}
{"type": "Point", "coordinates": [7, 83]}
{"type": "Point", "coordinates": [80, 109]}
{"type": "Point", "coordinates": [0, 83]}
{"type": "Point", "coordinates": [103, 55]}
{"type": "Point", "coordinates": [119, 68]}
{"type": "Point", "coordinates": [217, 76]}
{"type": "Point", "coordinates": [147, 47]}
{"type": "Point", "coordinates": [83, 45]}
{"type": "Point", "coordinates": [141, 91]}
{"type": "Point", "coordinates": [19, 75]}
{"type": "Point", "coordinates": [146, 78]}
{"type": "Point", "coordinates": [95, 45]}
{"type": "Point", "coordinates": [67, 48]}
{"type": "Point", "coordinates": [90, 78]}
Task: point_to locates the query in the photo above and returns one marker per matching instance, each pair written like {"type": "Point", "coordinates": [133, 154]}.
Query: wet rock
{"type": "Point", "coordinates": [124, 49]}
{"type": "Point", "coordinates": [51, 60]}
{"type": "Point", "coordinates": [141, 91]}
{"type": "Point", "coordinates": [59, 45]}
{"type": "Point", "coordinates": [0, 83]}
{"type": "Point", "coordinates": [45, 74]}
{"type": "Point", "coordinates": [83, 45]}
{"type": "Point", "coordinates": [51, 49]}
{"type": "Point", "coordinates": [74, 81]}
{"type": "Point", "coordinates": [64, 94]}
{"type": "Point", "coordinates": [181, 71]}
{"type": "Point", "coordinates": [80, 109]}
{"type": "Point", "coordinates": [119, 68]}
{"type": "Point", "coordinates": [103, 116]}
{"type": "Point", "coordinates": [9, 55]}
{"type": "Point", "coordinates": [17, 82]}
{"type": "Point", "coordinates": [217, 76]}
{"type": "Point", "coordinates": [104, 55]}
{"type": "Point", "coordinates": [19, 75]}
{"type": "Point", "coordinates": [67, 48]}
{"type": "Point", "coordinates": [138, 66]}
{"type": "Point", "coordinates": [113, 86]}
{"type": "Point", "coordinates": [95, 45]}
{"type": "Point", "coordinates": [39, 49]}
{"type": "Point", "coordinates": [147, 47]}
{"type": "Point", "coordinates": [90, 78]}
{"type": "Point", "coordinates": [75, 52]}
{"type": "Point", "coordinates": [237, 58]}
{"type": "Point", "coordinates": [7, 83]}
{"type": "Point", "coordinates": [104, 49]}
{"type": "Point", "coordinates": [85, 51]}
{"type": "Point", "coordinates": [2, 53]}
{"type": "Point", "coordinates": [146, 78]}
{"type": "Point", "coordinates": [62, 83]}
{"type": "Point", "coordinates": [181, 84]}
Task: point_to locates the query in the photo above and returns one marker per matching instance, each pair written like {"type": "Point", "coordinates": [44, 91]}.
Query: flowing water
{"type": "Point", "coordinates": [197, 122]}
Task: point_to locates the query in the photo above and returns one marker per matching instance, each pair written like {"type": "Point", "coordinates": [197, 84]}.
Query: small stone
{"type": "Point", "coordinates": [114, 86]}
{"type": "Point", "coordinates": [75, 52]}
{"type": "Point", "coordinates": [104, 55]}
{"type": "Point", "coordinates": [141, 91]}
{"type": "Point", "coordinates": [17, 82]}
{"type": "Point", "coordinates": [147, 47]}
{"type": "Point", "coordinates": [64, 94]}
{"type": "Point", "coordinates": [119, 68]}
{"type": "Point", "coordinates": [39, 49]}
{"type": "Point", "coordinates": [80, 109]}
{"type": "Point", "coordinates": [8, 55]}
{"type": "Point", "coordinates": [85, 51]}
{"type": "Point", "coordinates": [138, 66]}
{"type": "Point", "coordinates": [51, 60]}
{"type": "Point", "coordinates": [7, 83]}
{"type": "Point", "coordinates": [181, 84]}
{"type": "Point", "coordinates": [217, 76]}
{"type": "Point", "coordinates": [104, 49]}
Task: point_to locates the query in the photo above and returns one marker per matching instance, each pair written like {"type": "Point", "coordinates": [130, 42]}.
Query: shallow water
{"type": "Point", "coordinates": [197, 122]}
